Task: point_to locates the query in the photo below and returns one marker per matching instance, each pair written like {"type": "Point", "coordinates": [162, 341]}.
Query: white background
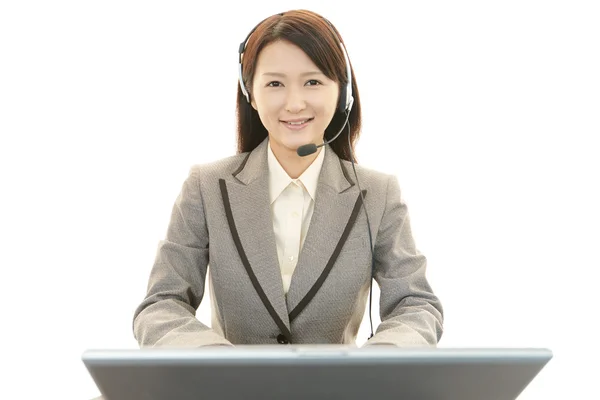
{"type": "Point", "coordinates": [487, 111]}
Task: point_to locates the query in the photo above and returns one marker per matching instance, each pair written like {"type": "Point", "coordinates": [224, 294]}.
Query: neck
{"type": "Point", "coordinates": [293, 164]}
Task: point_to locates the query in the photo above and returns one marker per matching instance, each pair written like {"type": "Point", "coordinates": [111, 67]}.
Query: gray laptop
{"type": "Point", "coordinates": [314, 372]}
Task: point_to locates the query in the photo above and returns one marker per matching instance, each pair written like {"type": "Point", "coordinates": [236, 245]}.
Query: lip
{"type": "Point", "coordinates": [296, 119]}
{"type": "Point", "coordinates": [296, 127]}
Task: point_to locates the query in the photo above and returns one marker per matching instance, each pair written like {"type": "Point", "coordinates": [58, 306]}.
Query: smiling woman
{"type": "Point", "coordinates": [287, 234]}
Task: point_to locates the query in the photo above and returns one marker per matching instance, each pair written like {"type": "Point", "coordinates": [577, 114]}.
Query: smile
{"type": "Point", "coordinates": [297, 125]}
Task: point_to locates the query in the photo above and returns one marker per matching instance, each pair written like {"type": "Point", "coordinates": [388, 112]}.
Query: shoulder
{"type": "Point", "coordinates": [219, 168]}
{"type": "Point", "coordinates": [368, 177]}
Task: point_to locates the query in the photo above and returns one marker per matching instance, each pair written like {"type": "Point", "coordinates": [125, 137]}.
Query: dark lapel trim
{"type": "Point", "coordinates": [238, 244]}
{"type": "Point", "coordinates": [242, 165]}
{"type": "Point", "coordinates": [315, 288]}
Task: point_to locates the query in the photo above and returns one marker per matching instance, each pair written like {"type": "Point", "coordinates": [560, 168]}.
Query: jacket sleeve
{"type": "Point", "coordinates": [411, 314]}
{"type": "Point", "coordinates": [167, 315]}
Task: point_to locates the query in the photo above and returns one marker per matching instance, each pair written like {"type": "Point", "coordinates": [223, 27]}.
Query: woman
{"type": "Point", "coordinates": [292, 230]}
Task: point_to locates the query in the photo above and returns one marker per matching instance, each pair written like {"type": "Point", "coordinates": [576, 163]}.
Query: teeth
{"type": "Point", "coordinates": [299, 122]}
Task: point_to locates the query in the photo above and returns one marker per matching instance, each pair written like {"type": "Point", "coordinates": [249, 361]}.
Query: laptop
{"type": "Point", "coordinates": [314, 372]}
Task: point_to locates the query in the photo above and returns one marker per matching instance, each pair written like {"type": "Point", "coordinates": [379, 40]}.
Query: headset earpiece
{"type": "Point", "coordinates": [343, 99]}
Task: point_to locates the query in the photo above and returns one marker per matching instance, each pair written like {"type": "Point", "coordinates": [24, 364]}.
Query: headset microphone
{"type": "Point", "coordinates": [307, 149]}
{"type": "Point", "coordinates": [311, 148]}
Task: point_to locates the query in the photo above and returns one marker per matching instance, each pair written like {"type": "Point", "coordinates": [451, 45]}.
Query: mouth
{"type": "Point", "coordinates": [297, 124]}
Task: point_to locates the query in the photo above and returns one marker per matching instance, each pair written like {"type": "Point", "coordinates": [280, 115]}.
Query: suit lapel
{"type": "Point", "coordinates": [248, 198]}
{"type": "Point", "coordinates": [247, 205]}
{"type": "Point", "coordinates": [335, 209]}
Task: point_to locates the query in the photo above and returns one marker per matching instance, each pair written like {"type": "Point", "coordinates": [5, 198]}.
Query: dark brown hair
{"type": "Point", "coordinates": [321, 43]}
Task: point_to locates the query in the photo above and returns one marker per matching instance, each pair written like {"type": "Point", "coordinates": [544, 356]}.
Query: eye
{"type": "Point", "coordinates": [274, 84]}
{"type": "Point", "coordinates": [314, 82]}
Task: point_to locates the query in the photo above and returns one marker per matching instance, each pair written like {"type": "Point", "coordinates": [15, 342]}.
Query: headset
{"type": "Point", "coordinates": [346, 99]}
{"type": "Point", "coordinates": [344, 106]}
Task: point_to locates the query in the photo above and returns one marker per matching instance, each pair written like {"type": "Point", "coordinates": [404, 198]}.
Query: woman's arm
{"type": "Point", "coordinates": [411, 314]}
{"type": "Point", "coordinates": [166, 317]}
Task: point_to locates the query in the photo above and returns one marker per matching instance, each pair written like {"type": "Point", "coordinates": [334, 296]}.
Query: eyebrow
{"type": "Point", "coordinates": [283, 75]}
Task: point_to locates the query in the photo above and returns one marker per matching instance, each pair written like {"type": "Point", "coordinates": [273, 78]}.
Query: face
{"type": "Point", "coordinates": [295, 101]}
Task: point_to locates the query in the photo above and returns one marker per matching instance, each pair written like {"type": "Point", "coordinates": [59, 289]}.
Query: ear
{"type": "Point", "coordinates": [253, 103]}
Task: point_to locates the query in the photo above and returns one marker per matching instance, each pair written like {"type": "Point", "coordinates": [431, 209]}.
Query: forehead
{"type": "Point", "coordinates": [283, 56]}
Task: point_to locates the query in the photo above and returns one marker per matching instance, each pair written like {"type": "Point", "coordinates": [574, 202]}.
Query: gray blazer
{"type": "Point", "coordinates": [222, 219]}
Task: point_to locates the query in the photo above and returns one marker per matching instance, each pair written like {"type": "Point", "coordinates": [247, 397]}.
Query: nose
{"type": "Point", "coordinates": [294, 102]}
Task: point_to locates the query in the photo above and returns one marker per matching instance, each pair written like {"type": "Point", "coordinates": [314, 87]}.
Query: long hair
{"type": "Point", "coordinates": [321, 42]}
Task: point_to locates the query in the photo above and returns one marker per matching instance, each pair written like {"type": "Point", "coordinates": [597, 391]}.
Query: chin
{"type": "Point", "coordinates": [293, 143]}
